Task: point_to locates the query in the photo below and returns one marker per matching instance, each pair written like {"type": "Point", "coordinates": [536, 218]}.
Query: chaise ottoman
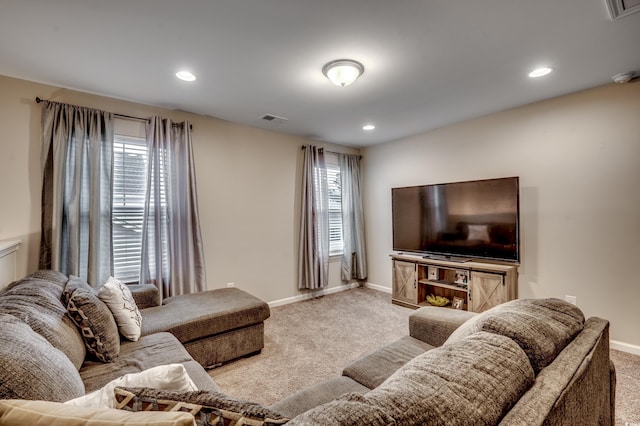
{"type": "Point", "coordinates": [214, 326]}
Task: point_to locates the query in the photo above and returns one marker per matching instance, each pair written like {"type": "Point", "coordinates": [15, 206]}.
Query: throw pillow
{"type": "Point", "coordinates": [15, 412]}
{"type": "Point", "coordinates": [173, 377]}
{"type": "Point", "coordinates": [541, 327]}
{"type": "Point", "coordinates": [120, 301]}
{"type": "Point", "coordinates": [209, 408]}
{"type": "Point", "coordinates": [94, 319]}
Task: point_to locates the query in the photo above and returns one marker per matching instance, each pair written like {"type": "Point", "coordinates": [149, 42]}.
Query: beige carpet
{"type": "Point", "coordinates": [310, 341]}
{"type": "Point", "coordinates": [627, 388]}
{"type": "Point", "coordinates": [307, 342]}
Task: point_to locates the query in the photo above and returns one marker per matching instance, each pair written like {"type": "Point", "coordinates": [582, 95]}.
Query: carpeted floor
{"type": "Point", "coordinates": [310, 341]}
{"type": "Point", "coordinates": [627, 388]}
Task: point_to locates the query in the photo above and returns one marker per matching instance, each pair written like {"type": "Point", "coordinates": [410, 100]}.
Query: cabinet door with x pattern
{"type": "Point", "coordinates": [405, 286]}
{"type": "Point", "coordinates": [487, 290]}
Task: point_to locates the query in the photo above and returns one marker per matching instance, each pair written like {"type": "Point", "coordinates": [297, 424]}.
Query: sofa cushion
{"type": "Point", "coordinates": [542, 327]}
{"type": "Point", "coordinates": [209, 408]}
{"type": "Point", "coordinates": [578, 385]}
{"type": "Point", "coordinates": [31, 368]}
{"type": "Point", "coordinates": [42, 274]}
{"type": "Point", "coordinates": [348, 410]}
{"type": "Point", "coordinates": [117, 296]}
{"type": "Point", "coordinates": [434, 325]}
{"type": "Point", "coordinates": [94, 319]}
{"type": "Point", "coordinates": [193, 316]}
{"type": "Point", "coordinates": [316, 395]}
{"type": "Point", "coordinates": [373, 369]}
{"type": "Point", "coordinates": [35, 300]}
{"type": "Point", "coordinates": [150, 351]}
{"type": "Point", "coordinates": [20, 413]}
{"type": "Point", "coordinates": [474, 381]}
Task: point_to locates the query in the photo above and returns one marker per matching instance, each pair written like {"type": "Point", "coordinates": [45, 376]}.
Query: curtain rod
{"type": "Point", "coordinates": [126, 117]}
{"type": "Point", "coordinates": [330, 152]}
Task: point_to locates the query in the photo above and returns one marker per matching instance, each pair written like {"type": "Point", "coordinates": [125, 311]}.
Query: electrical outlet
{"type": "Point", "coordinates": [571, 299]}
{"type": "Point", "coordinates": [231, 285]}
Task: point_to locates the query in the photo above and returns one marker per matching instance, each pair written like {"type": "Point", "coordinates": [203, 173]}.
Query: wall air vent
{"type": "Point", "coordinates": [620, 8]}
{"type": "Point", "coordinates": [274, 118]}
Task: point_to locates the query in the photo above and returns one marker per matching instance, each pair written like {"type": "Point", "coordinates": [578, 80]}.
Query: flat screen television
{"type": "Point", "coordinates": [459, 221]}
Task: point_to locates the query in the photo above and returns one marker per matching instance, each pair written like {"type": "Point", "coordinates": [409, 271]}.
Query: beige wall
{"type": "Point", "coordinates": [578, 158]}
{"type": "Point", "coordinates": [247, 188]}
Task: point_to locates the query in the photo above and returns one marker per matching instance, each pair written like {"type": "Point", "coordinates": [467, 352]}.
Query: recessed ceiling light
{"type": "Point", "coordinates": [185, 76]}
{"type": "Point", "coordinates": [540, 72]}
{"type": "Point", "coordinates": [368, 127]}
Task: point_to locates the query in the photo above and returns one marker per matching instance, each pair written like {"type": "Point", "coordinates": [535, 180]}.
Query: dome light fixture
{"type": "Point", "coordinates": [343, 72]}
{"type": "Point", "coordinates": [185, 76]}
{"type": "Point", "coordinates": [540, 72]}
{"type": "Point", "coordinates": [625, 77]}
{"type": "Point", "coordinates": [368, 127]}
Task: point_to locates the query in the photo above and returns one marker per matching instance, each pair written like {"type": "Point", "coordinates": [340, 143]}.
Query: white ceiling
{"type": "Point", "coordinates": [428, 63]}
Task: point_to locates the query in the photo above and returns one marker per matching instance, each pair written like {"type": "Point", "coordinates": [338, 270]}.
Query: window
{"type": "Point", "coordinates": [129, 187]}
{"type": "Point", "coordinates": [335, 205]}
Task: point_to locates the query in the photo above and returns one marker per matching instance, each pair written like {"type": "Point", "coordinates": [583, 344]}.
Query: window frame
{"type": "Point", "coordinates": [128, 199]}
{"type": "Point", "coordinates": [334, 187]}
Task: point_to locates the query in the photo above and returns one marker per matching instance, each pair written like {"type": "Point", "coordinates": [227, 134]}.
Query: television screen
{"type": "Point", "coordinates": [476, 219]}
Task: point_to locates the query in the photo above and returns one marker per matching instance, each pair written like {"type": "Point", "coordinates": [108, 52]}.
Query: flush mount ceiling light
{"type": "Point", "coordinates": [368, 127]}
{"type": "Point", "coordinates": [540, 72]}
{"type": "Point", "coordinates": [185, 76]}
{"type": "Point", "coordinates": [625, 77]}
{"type": "Point", "coordinates": [343, 72]}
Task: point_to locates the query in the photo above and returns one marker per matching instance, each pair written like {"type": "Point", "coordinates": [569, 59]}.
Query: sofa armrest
{"type": "Point", "coordinates": [145, 295]}
{"type": "Point", "coordinates": [433, 325]}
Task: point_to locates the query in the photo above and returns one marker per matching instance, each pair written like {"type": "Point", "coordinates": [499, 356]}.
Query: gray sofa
{"type": "Point", "coordinates": [525, 362]}
{"type": "Point", "coordinates": [43, 356]}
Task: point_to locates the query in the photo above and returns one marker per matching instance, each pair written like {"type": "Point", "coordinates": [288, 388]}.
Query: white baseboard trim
{"type": "Point", "coordinates": [378, 287]}
{"type": "Point", "coordinates": [624, 347]}
{"type": "Point", "coordinates": [311, 294]}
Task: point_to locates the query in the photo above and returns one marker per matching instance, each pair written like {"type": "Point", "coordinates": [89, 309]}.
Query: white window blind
{"type": "Point", "coordinates": [335, 206]}
{"type": "Point", "coordinates": [129, 187]}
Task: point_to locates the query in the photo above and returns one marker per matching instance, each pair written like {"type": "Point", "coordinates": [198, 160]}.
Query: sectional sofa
{"type": "Point", "coordinates": [525, 362]}
{"type": "Point", "coordinates": [43, 354]}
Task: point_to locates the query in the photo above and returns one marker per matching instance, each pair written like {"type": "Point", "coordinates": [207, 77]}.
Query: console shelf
{"type": "Point", "coordinates": [478, 285]}
{"type": "Point", "coordinates": [443, 284]}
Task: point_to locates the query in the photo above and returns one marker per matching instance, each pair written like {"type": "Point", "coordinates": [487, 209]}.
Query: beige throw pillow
{"type": "Point", "coordinates": [120, 301]}
{"type": "Point", "coordinates": [20, 412]}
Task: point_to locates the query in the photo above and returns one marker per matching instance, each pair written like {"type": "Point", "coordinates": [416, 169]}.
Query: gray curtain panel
{"type": "Point", "coordinates": [313, 257]}
{"type": "Point", "coordinates": [77, 168]}
{"type": "Point", "coordinates": [172, 249]}
{"type": "Point", "coordinates": [354, 258]}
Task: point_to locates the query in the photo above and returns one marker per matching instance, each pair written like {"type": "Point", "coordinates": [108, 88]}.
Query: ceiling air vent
{"type": "Point", "coordinates": [620, 8]}
{"type": "Point", "coordinates": [274, 118]}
